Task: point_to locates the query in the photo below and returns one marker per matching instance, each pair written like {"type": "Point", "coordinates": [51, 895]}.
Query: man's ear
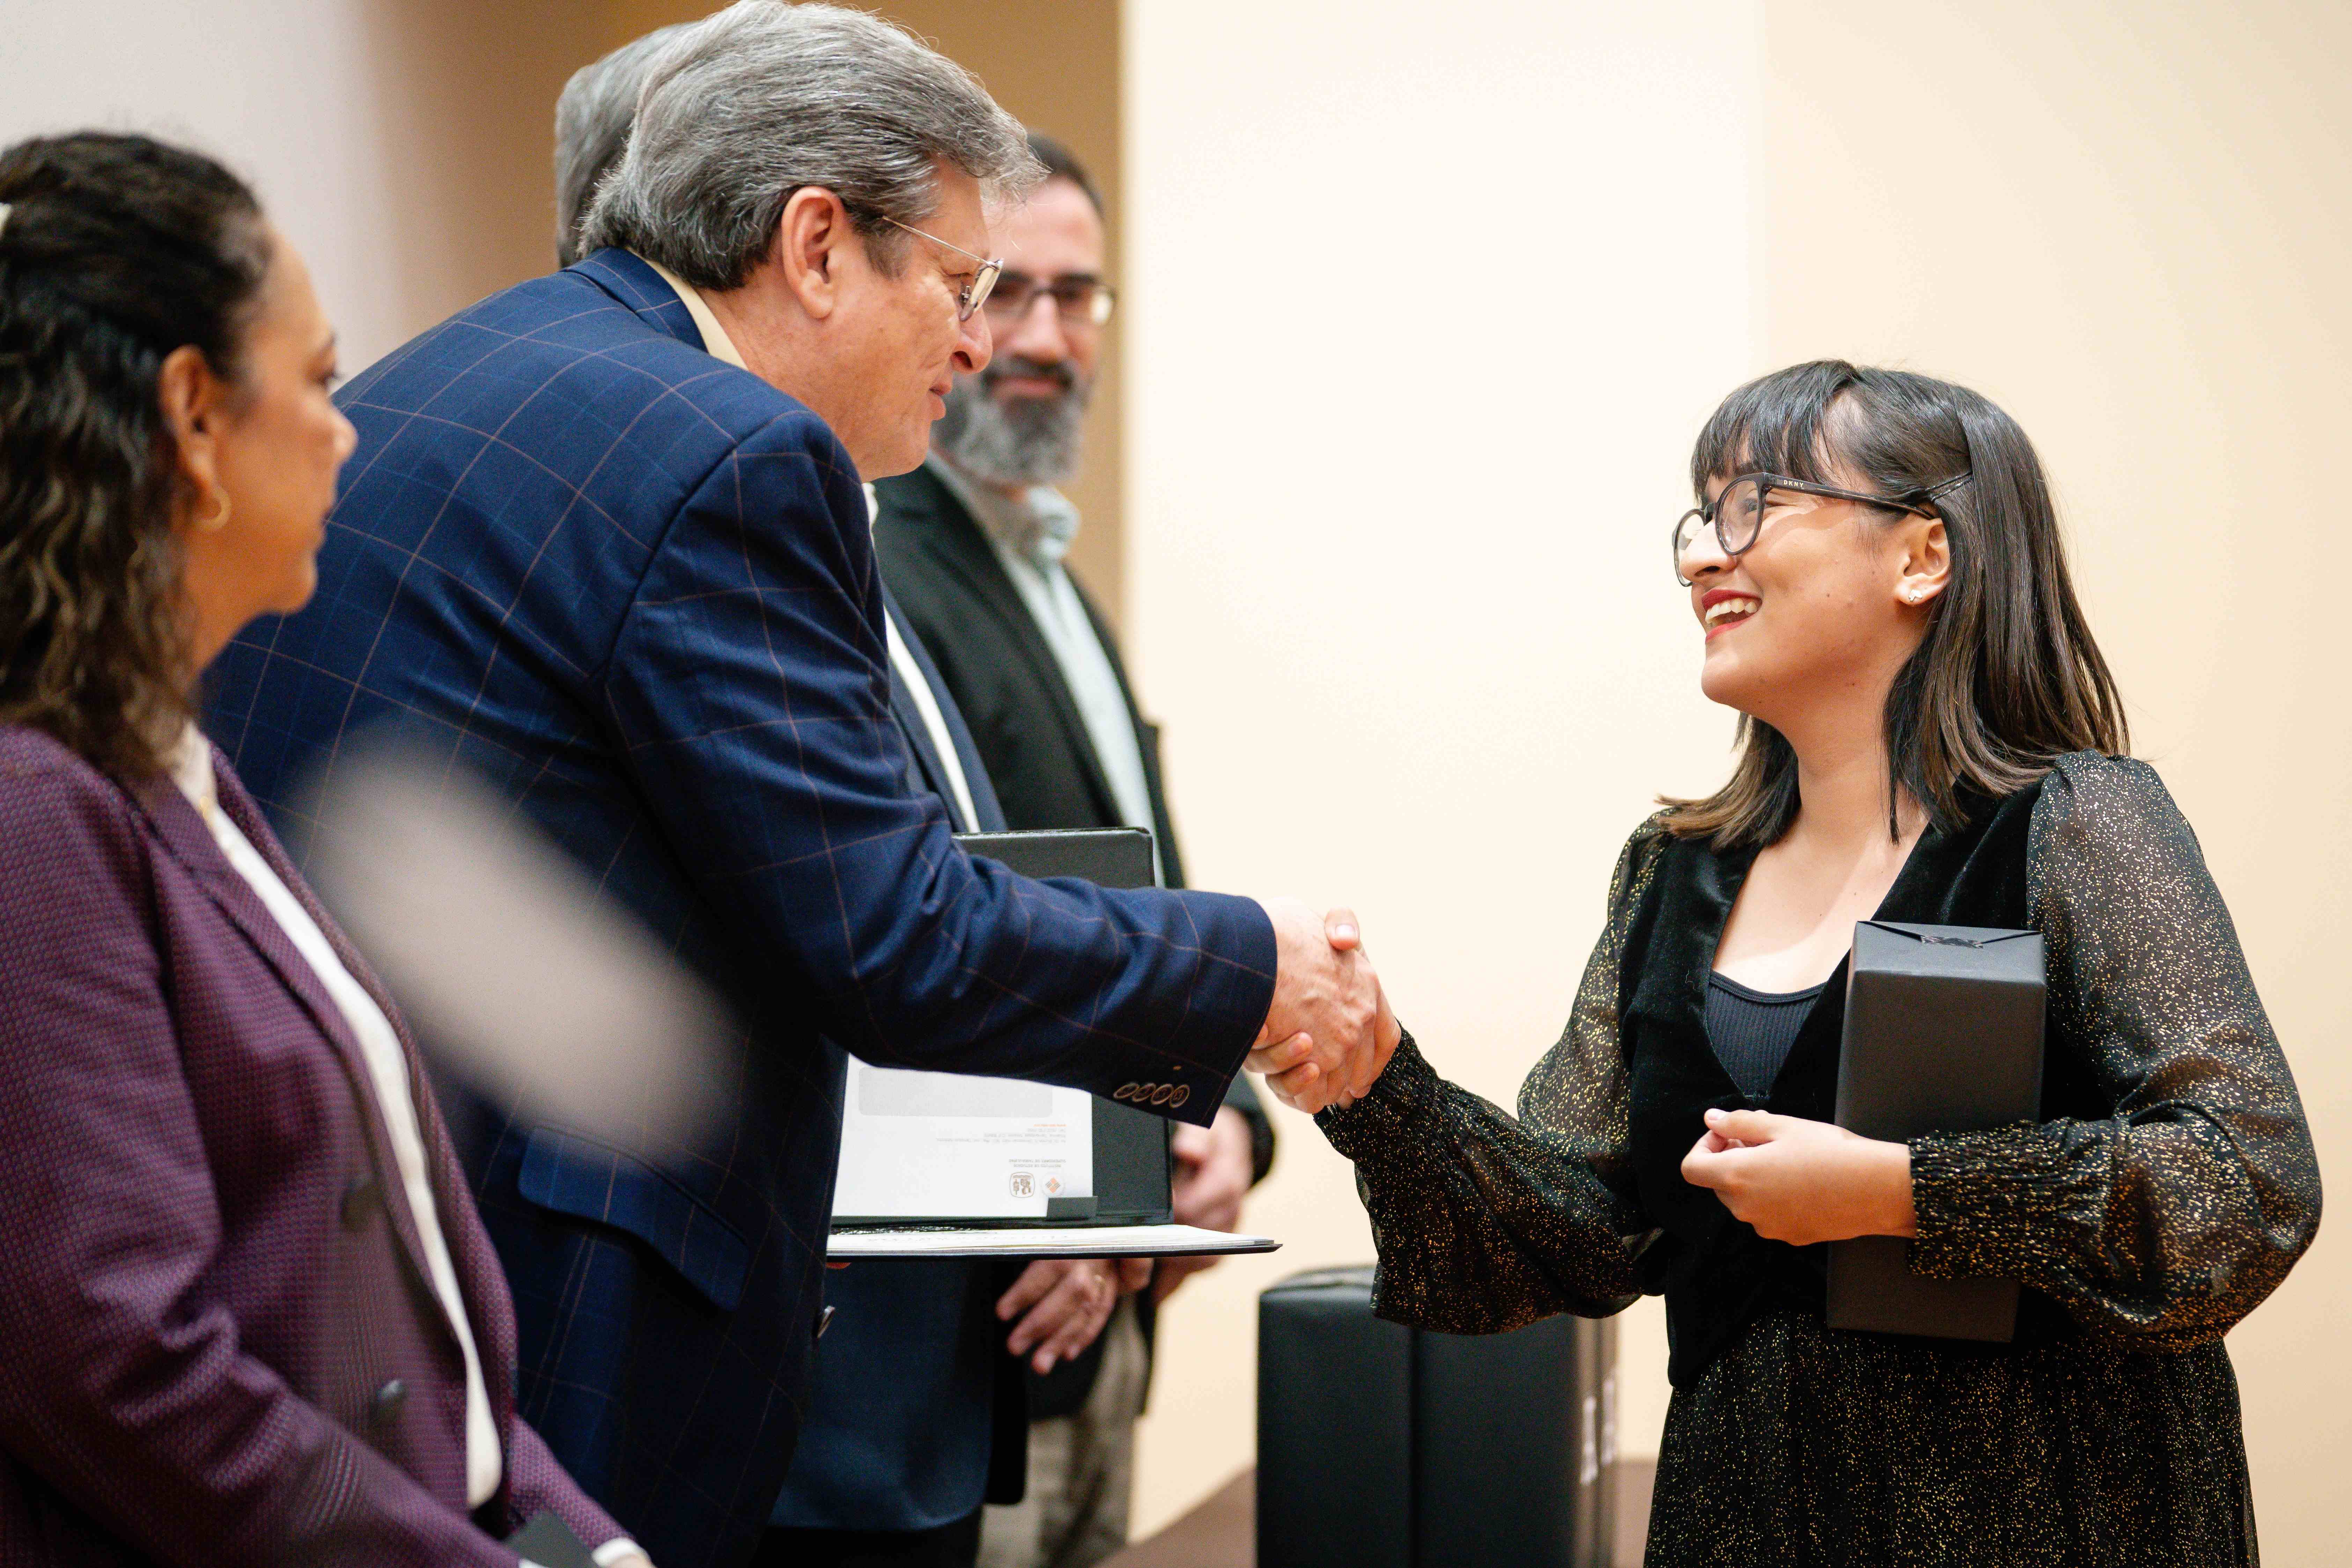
{"type": "Point", "coordinates": [809, 254]}
{"type": "Point", "coordinates": [192, 399]}
{"type": "Point", "coordinates": [1927, 562]}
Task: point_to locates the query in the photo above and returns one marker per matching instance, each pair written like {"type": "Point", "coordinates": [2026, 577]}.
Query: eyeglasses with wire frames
{"type": "Point", "coordinates": [973, 294]}
{"type": "Point", "coordinates": [1081, 301]}
{"type": "Point", "coordinates": [1736, 513]}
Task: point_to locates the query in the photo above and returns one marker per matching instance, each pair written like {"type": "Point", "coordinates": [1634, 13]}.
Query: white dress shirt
{"type": "Point", "coordinates": [387, 1071]}
{"type": "Point", "coordinates": [720, 347]}
{"type": "Point", "coordinates": [1030, 536]}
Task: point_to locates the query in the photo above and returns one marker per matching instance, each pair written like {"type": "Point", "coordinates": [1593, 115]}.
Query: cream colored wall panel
{"type": "Point", "coordinates": [1426, 307]}
{"type": "Point", "coordinates": [2128, 224]}
{"type": "Point", "coordinates": [404, 145]}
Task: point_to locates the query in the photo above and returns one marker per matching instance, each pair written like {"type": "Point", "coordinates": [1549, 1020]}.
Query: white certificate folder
{"type": "Point", "coordinates": [942, 1164]}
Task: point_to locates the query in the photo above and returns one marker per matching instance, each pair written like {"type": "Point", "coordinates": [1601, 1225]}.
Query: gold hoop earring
{"type": "Point", "coordinates": [219, 520]}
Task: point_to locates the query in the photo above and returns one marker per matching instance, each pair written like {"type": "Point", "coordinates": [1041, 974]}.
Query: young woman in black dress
{"type": "Point", "coordinates": [1928, 734]}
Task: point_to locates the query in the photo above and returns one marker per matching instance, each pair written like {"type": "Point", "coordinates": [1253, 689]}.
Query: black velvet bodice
{"type": "Point", "coordinates": [2168, 1188]}
{"type": "Point", "coordinates": [1716, 1273]}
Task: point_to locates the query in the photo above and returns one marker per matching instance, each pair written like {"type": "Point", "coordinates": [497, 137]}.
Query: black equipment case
{"type": "Point", "coordinates": [1384, 1447]}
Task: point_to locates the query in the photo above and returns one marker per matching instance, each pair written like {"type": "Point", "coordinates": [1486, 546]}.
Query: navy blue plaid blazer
{"type": "Point", "coordinates": [636, 588]}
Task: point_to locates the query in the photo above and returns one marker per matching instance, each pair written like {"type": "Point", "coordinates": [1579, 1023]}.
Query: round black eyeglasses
{"type": "Point", "coordinates": [1736, 513]}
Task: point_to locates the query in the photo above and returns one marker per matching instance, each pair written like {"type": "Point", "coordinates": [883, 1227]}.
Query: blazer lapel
{"type": "Point", "coordinates": [929, 770]}
{"type": "Point", "coordinates": [933, 768]}
{"type": "Point", "coordinates": [183, 831]}
{"type": "Point", "coordinates": [481, 1279]}
{"type": "Point", "coordinates": [191, 843]}
{"type": "Point", "coordinates": [959, 543]}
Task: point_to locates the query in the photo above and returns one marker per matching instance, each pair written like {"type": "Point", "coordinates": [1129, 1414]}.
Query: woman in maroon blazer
{"type": "Point", "coordinates": [248, 1314]}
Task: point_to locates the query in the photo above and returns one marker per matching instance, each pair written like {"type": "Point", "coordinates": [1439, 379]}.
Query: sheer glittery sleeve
{"type": "Point", "coordinates": [2168, 1221]}
{"type": "Point", "coordinates": [1486, 1222]}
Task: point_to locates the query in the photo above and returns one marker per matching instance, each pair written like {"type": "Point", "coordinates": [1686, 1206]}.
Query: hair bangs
{"type": "Point", "coordinates": [1774, 425]}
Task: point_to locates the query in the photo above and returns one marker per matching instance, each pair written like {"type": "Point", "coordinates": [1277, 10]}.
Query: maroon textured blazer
{"type": "Point", "coordinates": [218, 1341]}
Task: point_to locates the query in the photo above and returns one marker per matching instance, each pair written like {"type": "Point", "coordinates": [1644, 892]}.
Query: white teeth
{"type": "Point", "coordinates": [1724, 609]}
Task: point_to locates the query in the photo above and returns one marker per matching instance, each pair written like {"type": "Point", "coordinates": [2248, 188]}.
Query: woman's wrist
{"type": "Point", "coordinates": [1897, 1215]}
{"type": "Point", "coordinates": [1398, 1098]}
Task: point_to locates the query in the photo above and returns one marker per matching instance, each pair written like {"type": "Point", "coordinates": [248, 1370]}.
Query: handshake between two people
{"type": "Point", "coordinates": [1330, 1033]}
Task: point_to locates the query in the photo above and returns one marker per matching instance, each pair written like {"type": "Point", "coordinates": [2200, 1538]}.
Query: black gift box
{"type": "Point", "coordinates": [1943, 1033]}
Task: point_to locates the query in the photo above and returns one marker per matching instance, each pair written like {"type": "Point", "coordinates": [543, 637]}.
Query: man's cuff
{"type": "Point", "coordinates": [613, 1551]}
{"type": "Point", "coordinates": [1227, 1003]}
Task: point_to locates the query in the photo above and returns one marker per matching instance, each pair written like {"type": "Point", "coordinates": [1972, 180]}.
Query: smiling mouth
{"type": "Point", "coordinates": [1724, 614]}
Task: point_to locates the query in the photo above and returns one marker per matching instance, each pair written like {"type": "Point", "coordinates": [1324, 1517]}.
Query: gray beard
{"type": "Point", "coordinates": [1028, 441]}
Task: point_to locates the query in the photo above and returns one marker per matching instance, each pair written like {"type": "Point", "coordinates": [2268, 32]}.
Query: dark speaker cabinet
{"type": "Point", "coordinates": [1384, 1447]}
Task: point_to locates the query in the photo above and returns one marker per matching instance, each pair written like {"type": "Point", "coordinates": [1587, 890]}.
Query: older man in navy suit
{"type": "Point", "coordinates": [916, 1411]}
{"type": "Point", "coordinates": [604, 538]}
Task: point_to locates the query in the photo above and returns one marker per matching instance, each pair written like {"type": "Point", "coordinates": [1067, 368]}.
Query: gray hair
{"type": "Point", "coordinates": [1033, 441]}
{"type": "Point", "coordinates": [592, 127]}
{"type": "Point", "coordinates": [765, 99]}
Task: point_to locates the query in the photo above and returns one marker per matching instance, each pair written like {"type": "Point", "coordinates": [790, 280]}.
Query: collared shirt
{"type": "Point", "coordinates": [387, 1071]}
{"type": "Point", "coordinates": [720, 347]}
{"type": "Point", "coordinates": [1030, 536]}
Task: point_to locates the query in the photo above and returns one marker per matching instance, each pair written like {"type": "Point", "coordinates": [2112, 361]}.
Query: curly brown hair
{"type": "Point", "coordinates": [117, 250]}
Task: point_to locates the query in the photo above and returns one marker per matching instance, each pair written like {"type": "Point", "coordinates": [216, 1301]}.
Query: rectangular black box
{"type": "Point", "coordinates": [1384, 1447]}
{"type": "Point", "coordinates": [1943, 1033]}
{"type": "Point", "coordinates": [1134, 1173]}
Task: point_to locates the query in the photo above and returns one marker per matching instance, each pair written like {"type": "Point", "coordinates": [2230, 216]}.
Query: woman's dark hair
{"type": "Point", "coordinates": [2007, 678]}
{"type": "Point", "coordinates": [117, 250]}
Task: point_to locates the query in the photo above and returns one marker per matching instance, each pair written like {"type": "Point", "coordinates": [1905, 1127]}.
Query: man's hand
{"type": "Point", "coordinates": [1213, 1167]}
{"type": "Point", "coordinates": [1066, 1302]}
{"type": "Point", "coordinates": [1802, 1182]}
{"type": "Point", "coordinates": [1328, 1033]}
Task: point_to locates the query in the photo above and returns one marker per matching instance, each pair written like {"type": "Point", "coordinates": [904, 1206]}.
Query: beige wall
{"type": "Point", "coordinates": [402, 143]}
{"type": "Point", "coordinates": [1422, 336]}
{"type": "Point", "coordinates": [2128, 222]}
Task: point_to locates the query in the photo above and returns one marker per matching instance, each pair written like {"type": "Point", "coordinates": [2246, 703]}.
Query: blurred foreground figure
{"type": "Point", "coordinates": [531, 985]}
{"type": "Point", "coordinates": [250, 1314]}
{"type": "Point", "coordinates": [973, 542]}
{"type": "Point", "coordinates": [605, 541]}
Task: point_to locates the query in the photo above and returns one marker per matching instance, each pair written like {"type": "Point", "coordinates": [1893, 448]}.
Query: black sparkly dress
{"type": "Point", "coordinates": [2168, 1189]}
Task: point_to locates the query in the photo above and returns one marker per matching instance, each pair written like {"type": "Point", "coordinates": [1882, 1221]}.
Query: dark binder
{"type": "Point", "coordinates": [1943, 1033]}
{"type": "Point", "coordinates": [1130, 1212]}
{"type": "Point", "coordinates": [1133, 1169]}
